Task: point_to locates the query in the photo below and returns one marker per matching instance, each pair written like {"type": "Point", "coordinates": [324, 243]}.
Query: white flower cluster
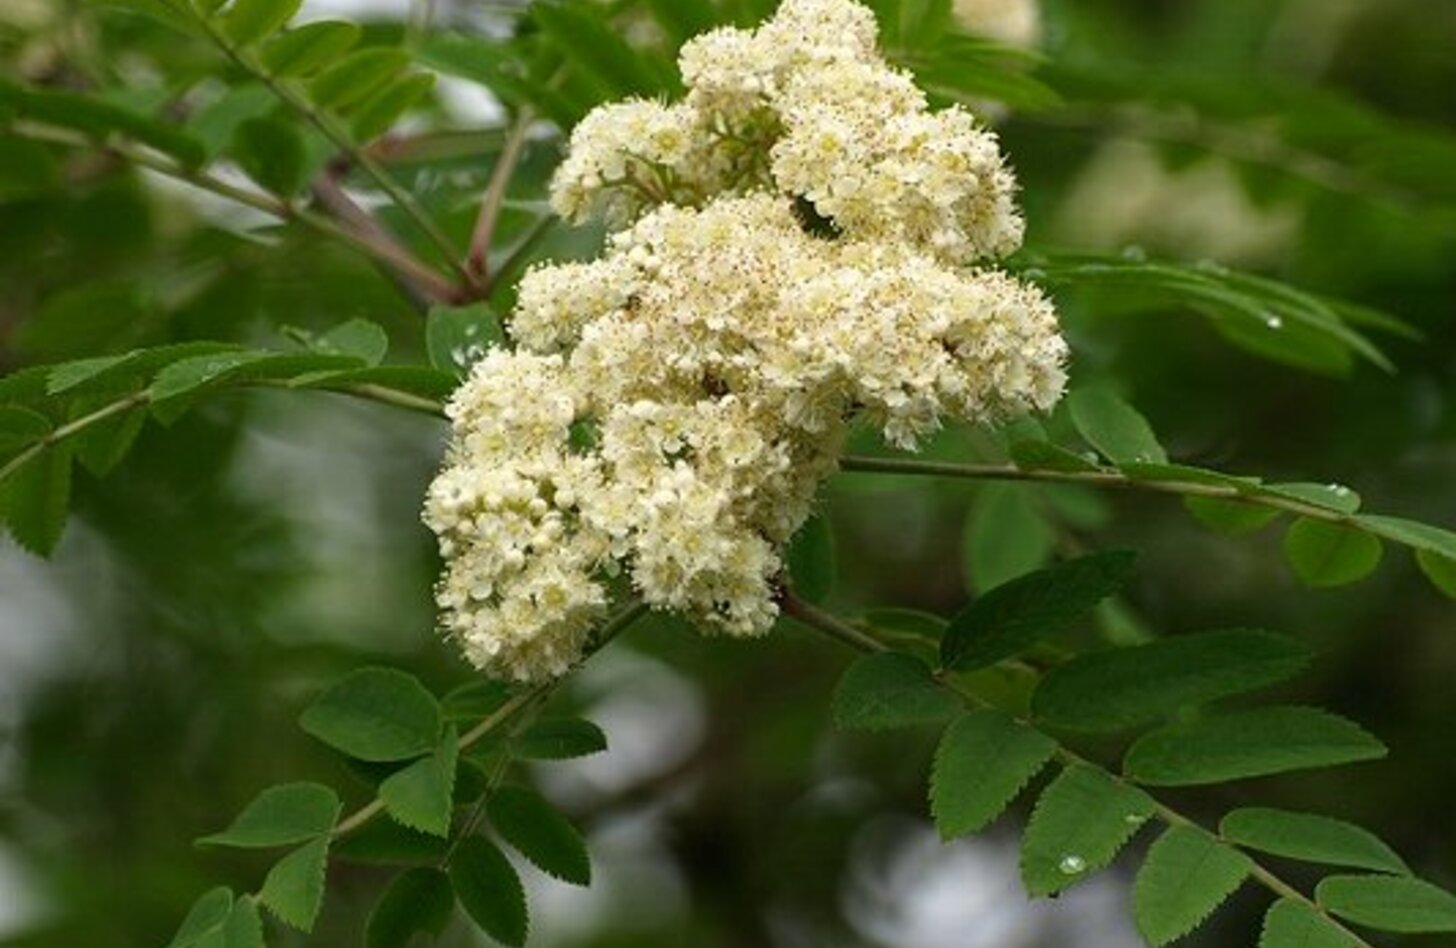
{"type": "Point", "coordinates": [794, 260]}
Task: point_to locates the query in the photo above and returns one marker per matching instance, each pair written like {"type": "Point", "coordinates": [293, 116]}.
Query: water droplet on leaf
{"type": "Point", "coordinates": [1071, 864]}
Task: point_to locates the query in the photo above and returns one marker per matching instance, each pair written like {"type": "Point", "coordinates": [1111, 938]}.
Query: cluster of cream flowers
{"type": "Point", "coordinates": [796, 254]}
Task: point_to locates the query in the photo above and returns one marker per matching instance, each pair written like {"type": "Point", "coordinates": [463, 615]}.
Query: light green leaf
{"type": "Point", "coordinates": [1421, 536]}
{"type": "Point", "coordinates": [357, 76]}
{"type": "Point", "coordinates": [539, 832]}
{"type": "Point", "coordinates": [1311, 838]}
{"type": "Point", "coordinates": [309, 48]}
{"type": "Point", "coordinates": [1389, 903]}
{"type": "Point", "coordinates": [1114, 427]}
{"type": "Point", "coordinates": [1332, 497]}
{"type": "Point", "coordinates": [489, 890]}
{"type": "Point", "coordinates": [294, 887]}
{"type": "Point", "coordinates": [188, 375]}
{"type": "Point", "coordinates": [890, 690]}
{"type": "Point", "coordinates": [1042, 456]}
{"type": "Point", "coordinates": [1229, 516]}
{"type": "Point", "coordinates": [1329, 554]}
{"type": "Point", "coordinates": [1083, 818]}
{"type": "Point", "coordinates": [376, 714]}
{"type": "Point", "coordinates": [559, 739]}
{"type": "Point", "coordinates": [1248, 744]}
{"type": "Point", "coordinates": [123, 373]}
{"type": "Point", "coordinates": [812, 560]}
{"type": "Point", "coordinates": [984, 760]}
{"type": "Point", "coordinates": [248, 21]}
{"type": "Point", "coordinates": [421, 796]}
{"type": "Point", "coordinates": [243, 928]}
{"type": "Point", "coordinates": [359, 338]}
{"type": "Point", "coordinates": [1440, 570]}
{"type": "Point", "coordinates": [207, 915]}
{"type": "Point", "coordinates": [1291, 924]}
{"type": "Point", "coordinates": [418, 900]}
{"type": "Point", "coordinates": [1006, 537]}
{"type": "Point", "coordinates": [459, 336]}
{"type": "Point", "coordinates": [1116, 689]}
{"type": "Point", "coordinates": [1187, 875]}
{"type": "Point", "coordinates": [1014, 616]}
{"type": "Point", "coordinates": [281, 815]}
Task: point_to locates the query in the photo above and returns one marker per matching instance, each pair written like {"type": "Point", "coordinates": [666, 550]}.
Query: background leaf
{"type": "Point", "coordinates": [539, 832]}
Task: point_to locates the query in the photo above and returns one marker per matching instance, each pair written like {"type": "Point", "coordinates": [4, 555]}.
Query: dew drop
{"type": "Point", "coordinates": [1134, 819]}
{"type": "Point", "coordinates": [1071, 864]}
{"type": "Point", "coordinates": [1274, 322]}
{"type": "Point", "coordinates": [1135, 253]}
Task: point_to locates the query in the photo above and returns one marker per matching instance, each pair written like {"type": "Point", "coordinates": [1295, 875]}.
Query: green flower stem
{"type": "Point", "coordinates": [360, 158]}
{"type": "Point", "coordinates": [488, 725]}
{"type": "Point", "coordinates": [842, 631]}
{"type": "Point", "coordinates": [1107, 478]}
{"type": "Point", "coordinates": [390, 253]}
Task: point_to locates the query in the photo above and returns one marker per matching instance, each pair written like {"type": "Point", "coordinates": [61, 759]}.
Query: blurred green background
{"type": "Point", "coordinates": [150, 674]}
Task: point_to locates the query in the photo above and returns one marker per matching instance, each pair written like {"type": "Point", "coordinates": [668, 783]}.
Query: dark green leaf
{"type": "Point", "coordinates": [459, 336]}
{"type": "Point", "coordinates": [21, 427]}
{"type": "Point", "coordinates": [890, 690]}
{"type": "Point", "coordinates": [1291, 924]}
{"type": "Point", "coordinates": [207, 915]}
{"type": "Point", "coordinates": [1187, 875]}
{"type": "Point", "coordinates": [97, 118]}
{"type": "Point", "coordinates": [419, 900]}
{"type": "Point", "coordinates": [421, 796]}
{"type": "Point", "coordinates": [1083, 818]}
{"type": "Point", "coordinates": [476, 700]}
{"type": "Point", "coordinates": [1311, 838]}
{"type": "Point", "coordinates": [1248, 744]}
{"type": "Point", "coordinates": [309, 48]}
{"type": "Point", "coordinates": [1012, 617]}
{"type": "Point", "coordinates": [376, 714]}
{"type": "Point", "coordinates": [270, 151]}
{"type": "Point", "coordinates": [35, 500]}
{"type": "Point", "coordinates": [540, 833]}
{"type": "Point", "coordinates": [248, 21]}
{"type": "Point", "coordinates": [294, 887]}
{"type": "Point", "coordinates": [984, 760]}
{"type": "Point", "coordinates": [1120, 688]}
{"type": "Point", "coordinates": [1332, 497]}
{"type": "Point", "coordinates": [1389, 903]}
{"type": "Point", "coordinates": [593, 46]}
{"type": "Point", "coordinates": [1330, 554]}
{"type": "Point", "coordinates": [489, 890]}
{"type": "Point", "coordinates": [281, 815]}
{"type": "Point", "coordinates": [1041, 456]}
{"type": "Point", "coordinates": [559, 739]}
{"type": "Point", "coordinates": [1114, 427]}
{"type": "Point", "coordinates": [387, 843]}
{"type": "Point", "coordinates": [1440, 570]}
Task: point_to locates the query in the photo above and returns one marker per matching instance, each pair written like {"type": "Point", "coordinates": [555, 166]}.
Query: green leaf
{"type": "Point", "coordinates": [811, 559]}
{"type": "Point", "coordinates": [1330, 554]}
{"type": "Point", "coordinates": [1247, 744]}
{"type": "Point", "coordinates": [1291, 924]}
{"type": "Point", "coordinates": [1042, 456]}
{"type": "Point", "coordinates": [1187, 875]}
{"type": "Point", "coordinates": [1421, 536]}
{"type": "Point", "coordinates": [309, 48]}
{"type": "Point", "coordinates": [270, 151]}
{"type": "Point", "coordinates": [539, 832]}
{"type": "Point", "coordinates": [21, 427]}
{"type": "Point", "coordinates": [103, 446]}
{"type": "Point", "coordinates": [378, 114]}
{"type": "Point", "coordinates": [1114, 427]}
{"type": "Point", "coordinates": [123, 373]}
{"type": "Point", "coordinates": [489, 890]}
{"type": "Point", "coordinates": [1006, 537]}
{"type": "Point", "coordinates": [559, 739]}
{"type": "Point", "coordinates": [1121, 688]}
{"type": "Point", "coordinates": [459, 336]}
{"type": "Point", "coordinates": [357, 76]}
{"type": "Point", "coordinates": [1083, 818]}
{"type": "Point", "coordinates": [248, 21]}
{"type": "Point", "coordinates": [591, 45]}
{"type": "Point", "coordinates": [421, 796]}
{"type": "Point", "coordinates": [243, 928]}
{"type": "Point", "coordinates": [418, 900]}
{"type": "Point", "coordinates": [1332, 497]}
{"type": "Point", "coordinates": [683, 19]}
{"type": "Point", "coordinates": [376, 714]}
{"type": "Point", "coordinates": [1440, 570]}
{"type": "Point", "coordinates": [27, 169]}
{"type": "Point", "coordinates": [35, 500]}
{"type": "Point", "coordinates": [1014, 616]}
{"type": "Point", "coordinates": [208, 914]}
{"type": "Point", "coordinates": [98, 118]}
{"type": "Point", "coordinates": [476, 700]}
{"type": "Point", "coordinates": [282, 815]}
{"type": "Point", "coordinates": [984, 760]}
{"type": "Point", "coordinates": [1311, 838]}
{"type": "Point", "coordinates": [359, 338]}
{"type": "Point", "coordinates": [1229, 516]}
{"type": "Point", "coordinates": [294, 887]}
{"type": "Point", "coordinates": [890, 690]}
{"type": "Point", "coordinates": [1389, 903]}
{"type": "Point", "coordinates": [188, 375]}
{"type": "Point", "coordinates": [387, 843]}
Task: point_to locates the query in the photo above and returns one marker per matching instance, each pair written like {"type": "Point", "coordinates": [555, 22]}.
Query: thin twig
{"type": "Point", "coordinates": [478, 259]}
